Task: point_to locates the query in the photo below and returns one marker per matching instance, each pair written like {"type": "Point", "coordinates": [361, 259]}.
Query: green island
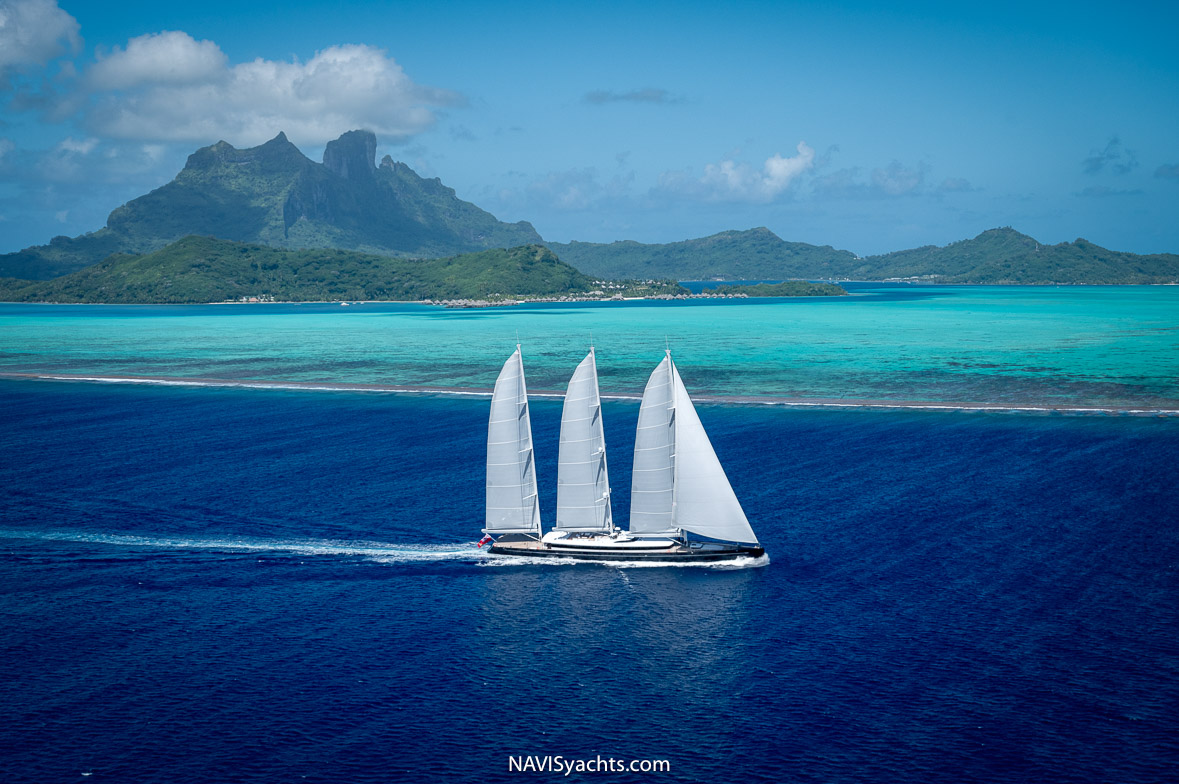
{"type": "Point", "coordinates": [1001, 256]}
{"type": "Point", "coordinates": [1004, 256]}
{"type": "Point", "coordinates": [755, 254]}
{"type": "Point", "coordinates": [789, 288]}
{"type": "Point", "coordinates": [206, 269]}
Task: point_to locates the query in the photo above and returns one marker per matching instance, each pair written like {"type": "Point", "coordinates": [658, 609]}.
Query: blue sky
{"type": "Point", "coordinates": [862, 126]}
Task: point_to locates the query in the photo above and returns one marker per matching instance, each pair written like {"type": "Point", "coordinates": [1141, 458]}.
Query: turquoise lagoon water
{"type": "Point", "coordinates": [1105, 347]}
{"type": "Point", "coordinates": [270, 585]}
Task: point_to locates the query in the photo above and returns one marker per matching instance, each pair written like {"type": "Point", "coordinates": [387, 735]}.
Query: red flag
{"type": "Point", "coordinates": [484, 540]}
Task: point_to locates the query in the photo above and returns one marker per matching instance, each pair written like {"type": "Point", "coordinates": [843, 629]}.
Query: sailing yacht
{"type": "Point", "coordinates": [682, 505]}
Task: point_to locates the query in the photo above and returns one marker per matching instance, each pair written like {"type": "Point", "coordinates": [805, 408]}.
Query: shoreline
{"type": "Point", "coordinates": [542, 394]}
{"type": "Point", "coordinates": [468, 304]}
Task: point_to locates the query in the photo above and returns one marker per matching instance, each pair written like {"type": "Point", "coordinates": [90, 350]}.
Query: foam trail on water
{"type": "Point", "coordinates": [382, 552]}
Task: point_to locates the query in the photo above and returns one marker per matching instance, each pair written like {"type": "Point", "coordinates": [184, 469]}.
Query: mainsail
{"type": "Point", "coordinates": [583, 486]}
{"type": "Point", "coordinates": [512, 504]}
{"type": "Point", "coordinates": [652, 487]}
{"type": "Point", "coordinates": [679, 484]}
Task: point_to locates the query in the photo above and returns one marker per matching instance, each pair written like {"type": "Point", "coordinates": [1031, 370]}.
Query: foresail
{"type": "Point", "coordinates": [512, 504]}
{"type": "Point", "coordinates": [583, 486]}
{"type": "Point", "coordinates": [653, 478]}
{"type": "Point", "coordinates": [705, 503]}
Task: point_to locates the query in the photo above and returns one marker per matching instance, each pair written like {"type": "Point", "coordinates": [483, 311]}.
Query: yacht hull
{"type": "Point", "coordinates": [678, 553]}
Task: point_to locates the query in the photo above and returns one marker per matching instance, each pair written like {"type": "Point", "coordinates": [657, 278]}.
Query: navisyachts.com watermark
{"type": "Point", "coordinates": [555, 763]}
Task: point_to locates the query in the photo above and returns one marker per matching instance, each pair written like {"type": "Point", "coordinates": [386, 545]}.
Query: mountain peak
{"type": "Point", "coordinates": [353, 156]}
{"type": "Point", "coordinates": [1002, 231]}
{"type": "Point", "coordinates": [273, 194]}
{"type": "Point", "coordinates": [279, 152]}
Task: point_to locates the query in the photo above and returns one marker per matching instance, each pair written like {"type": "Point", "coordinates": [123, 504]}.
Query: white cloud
{"type": "Point", "coordinates": [153, 152]}
{"type": "Point", "coordinates": [780, 172]}
{"type": "Point", "coordinates": [733, 181]}
{"type": "Point", "coordinates": [33, 32]}
{"type": "Point", "coordinates": [6, 146]}
{"type": "Point", "coordinates": [161, 58]}
{"type": "Point", "coordinates": [203, 98]}
{"type": "Point", "coordinates": [891, 181]}
{"type": "Point", "coordinates": [897, 179]}
{"type": "Point", "coordinates": [841, 184]}
{"type": "Point", "coordinates": [577, 189]}
{"type": "Point", "coordinates": [90, 160]}
{"type": "Point", "coordinates": [569, 191]}
{"type": "Point", "coordinates": [71, 145]}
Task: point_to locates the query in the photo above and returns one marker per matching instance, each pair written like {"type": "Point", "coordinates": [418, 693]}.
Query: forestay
{"type": "Point", "coordinates": [583, 485]}
{"type": "Point", "coordinates": [512, 504]}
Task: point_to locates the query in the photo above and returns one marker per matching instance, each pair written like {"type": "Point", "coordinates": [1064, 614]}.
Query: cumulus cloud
{"type": "Point", "coordinates": [841, 184]}
{"type": "Point", "coordinates": [1114, 158]}
{"type": "Point", "coordinates": [577, 189]}
{"type": "Point", "coordinates": [33, 32]}
{"type": "Point", "coordinates": [891, 181]}
{"type": "Point", "coordinates": [733, 181]}
{"type": "Point", "coordinates": [170, 87]}
{"type": "Point", "coordinates": [645, 95]}
{"type": "Point", "coordinates": [68, 161]}
{"type": "Point", "coordinates": [896, 179]}
{"type": "Point", "coordinates": [72, 145]}
{"type": "Point", "coordinates": [88, 160]}
{"type": "Point", "coordinates": [572, 190]}
{"type": "Point", "coordinates": [160, 58]}
{"type": "Point", "coordinates": [1168, 172]}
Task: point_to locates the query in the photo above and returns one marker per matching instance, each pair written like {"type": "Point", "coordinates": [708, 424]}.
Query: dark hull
{"type": "Point", "coordinates": [677, 554]}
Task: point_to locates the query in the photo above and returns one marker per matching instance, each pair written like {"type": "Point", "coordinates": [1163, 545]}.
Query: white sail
{"type": "Point", "coordinates": [705, 503]}
{"type": "Point", "coordinates": [652, 489]}
{"type": "Point", "coordinates": [583, 486]}
{"type": "Point", "coordinates": [512, 504]}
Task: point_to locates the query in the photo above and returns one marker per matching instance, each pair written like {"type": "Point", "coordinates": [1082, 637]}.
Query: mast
{"type": "Point", "coordinates": [512, 503]}
{"type": "Point", "coordinates": [583, 484]}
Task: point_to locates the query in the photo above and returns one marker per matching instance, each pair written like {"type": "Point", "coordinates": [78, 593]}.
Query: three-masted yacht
{"type": "Point", "coordinates": [682, 505]}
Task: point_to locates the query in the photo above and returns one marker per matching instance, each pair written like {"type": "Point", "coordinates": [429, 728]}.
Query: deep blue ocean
{"type": "Point", "coordinates": [243, 585]}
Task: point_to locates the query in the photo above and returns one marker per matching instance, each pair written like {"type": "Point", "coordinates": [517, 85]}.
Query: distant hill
{"type": "Point", "coordinates": [204, 269]}
{"type": "Point", "coordinates": [274, 195]}
{"type": "Point", "coordinates": [995, 256]}
{"type": "Point", "coordinates": [790, 288]}
{"type": "Point", "coordinates": [1004, 255]}
{"type": "Point", "coordinates": [756, 254]}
